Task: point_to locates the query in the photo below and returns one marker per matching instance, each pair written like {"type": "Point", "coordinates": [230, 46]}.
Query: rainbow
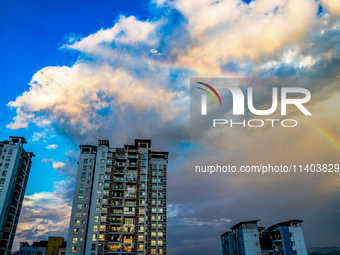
{"type": "Point", "coordinates": [326, 133]}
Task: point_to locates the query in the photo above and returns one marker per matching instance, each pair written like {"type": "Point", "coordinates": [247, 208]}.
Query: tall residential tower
{"type": "Point", "coordinates": [15, 165]}
{"type": "Point", "coordinates": [119, 203]}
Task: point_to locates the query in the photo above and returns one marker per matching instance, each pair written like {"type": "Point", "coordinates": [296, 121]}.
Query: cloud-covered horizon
{"type": "Point", "coordinates": [132, 80]}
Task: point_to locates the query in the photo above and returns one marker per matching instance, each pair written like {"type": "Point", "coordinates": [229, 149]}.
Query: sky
{"type": "Point", "coordinates": [74, 72]}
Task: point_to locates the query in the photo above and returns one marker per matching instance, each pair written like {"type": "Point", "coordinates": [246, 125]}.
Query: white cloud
{"type": "Point", "coordinates": [74, 96]}
{"type": "Point", "coordinates": [57, 165]}
{"type": "Point", "coordinates": [38, 136]}
{"type": "Point", "coordinates": [47, 160]}
{"type": "Point", "coordinates": [333, 6]}
{"type": "Point", "coordinates": [52, 146]}
{"type": "Point", "coordinates": [225, 30]}
{"type": "Point", "coordinates": [126, 31]}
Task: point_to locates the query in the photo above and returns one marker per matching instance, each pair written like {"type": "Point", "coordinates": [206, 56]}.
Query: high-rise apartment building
{"type": "Point", "coordinates": [246, 238]}
{"type": "Point", "coordinates": [15, 165]}
{"type": "Point", "coordinates": [119, 203]}
{"type": "Point", "coordinates": [242, 239]}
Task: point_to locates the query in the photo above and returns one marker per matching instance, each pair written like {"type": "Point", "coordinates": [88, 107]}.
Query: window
{"type": "Point", "coordinates": [6, 165]}
{"type": "Point", "coordinates": [80, 206]}
{"type": "Point", "coordinates": [85, 160]}
{"type": "Point", "coordinates": [76, 231]}
{"type": "Point", "coordinates": [73, 248]}
{"type": "Point", "coordinates": [153, 242]}
{"type": "Point", "coordinates": [293, 243]}
{"type": "Point", "coordinates": [95, 228]}
{"type": "Point", "coordinates": [94, 237]}
{"type": "Point", "coordinates": [160, 242]}
{"type": "Point", "coordinates": [4, 173]}
{"type": "Point", "coordinates": [2, 180]}
{"type": "Point", "coordinates": [83, 175]}
{"type": "Point", "coordinates": [80, 248]}
{"type": "Point", "coordinates": [8, 158]}
{"type": "Point", "coordinates": [84, 168]}
{"type": "Point", "coordinates": [80, 198]}
{"type": "Point", "coordinates": [74, 240]}
{"type": "Point", "coordinates": [93, 247]}
{"type": "Point", "coordinates": [77, 222]}
{"type": "Point", "coordinates": [96, 218]}
{"type": "Point", "coordinates": [10, 151]}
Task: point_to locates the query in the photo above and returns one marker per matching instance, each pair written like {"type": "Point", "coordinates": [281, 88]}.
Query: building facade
{"type": "Point", "coordinates": [243, 239]}
{"type": "Point", "coordinates": [119, 204]}
{"type": "Point", "coordinates": [15, 165]}
{"type": "Point", "coordinates": [36, 248]}
{"type": "Point", "coordinates": [246, 238]}
{"type": "Point", "coordinates": [53, 245]}
{"type": "Point", "coordinates": [285, 238]}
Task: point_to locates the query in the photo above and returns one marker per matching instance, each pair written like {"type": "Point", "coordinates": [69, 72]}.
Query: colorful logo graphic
{"type": "Point", "coordinates": [204, 97]}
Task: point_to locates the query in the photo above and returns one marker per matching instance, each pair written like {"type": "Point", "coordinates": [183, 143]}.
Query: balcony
{"type": "Point", "coordinates": [119, 179]}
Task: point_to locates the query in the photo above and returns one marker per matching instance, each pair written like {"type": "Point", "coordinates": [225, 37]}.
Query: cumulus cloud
{"type": "Point", "coordinates": [333, 6]}
{"type": "Point", "coordinates": [75, 96]}
{"type": "Point", "coordinates": [225, 30]}
{"type": "Point", "coordinates": [52, 146]}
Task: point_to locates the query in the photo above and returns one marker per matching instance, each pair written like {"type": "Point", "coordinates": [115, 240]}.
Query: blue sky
{"type": "Point", "coordinates": [74, 72]}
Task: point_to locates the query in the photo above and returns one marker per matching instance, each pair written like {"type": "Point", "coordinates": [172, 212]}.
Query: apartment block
{"type": "Point", "coordinates": [246, 238]}
{"type": "Point", "coordinates": [15, 165]}
{"type": "Point", "coordinates": [119, 204]}
{"type": "Point", "coordinates": [36, 248]}
{"type": "Point", "coordinates": [242, 239]}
